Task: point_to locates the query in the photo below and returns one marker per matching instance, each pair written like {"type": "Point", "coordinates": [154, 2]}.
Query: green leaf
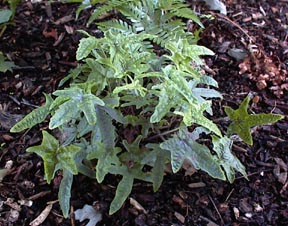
{"type": "Point", "coordinates": [193, 113]}
{"type": "Point", "coordinates": [66, 112]}
{"type": "Point", "coordinates": [242, 121]}
{"type": "Point", "coordinates": [54, 156]}
{"type": "Point", "coordinates": [182, 147]}
{"type": "Point", "coordinates": [158, 170]}
{"type": "Point", "coordinates": [85, 47]}
{"type": "Point", "coordinates": [223, 147]}
{"type": "Point", "coordinates": [123, 190]}
{"type": "Point", "coordinates": [72, 102]}
{"type": "Point", "coordinates": [46, 151]}
{"type": "Point", "coordinates": [5, 65]}
{"type": "Point", "coordinates": [168, 98]}
{"type": "Point", "coordinates": [5, 15]}
{"type": "Point", "coordinates": [33, 118]}
{"type": "Point", "coordinates": [103, 142]}
{"type": "Point", "coordinates": [106, 128]}
{"type": "Point", "coordinates": [64, 193]}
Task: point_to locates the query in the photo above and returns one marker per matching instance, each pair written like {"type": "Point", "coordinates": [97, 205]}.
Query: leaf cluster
{"type": "Point", "coordinates": [119, 83]}
{"type": "Point", "coordinates": [7, 15]}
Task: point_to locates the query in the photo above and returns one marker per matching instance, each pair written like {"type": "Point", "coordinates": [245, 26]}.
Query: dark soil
{"type": "Point", "coordinates": [43, 43]}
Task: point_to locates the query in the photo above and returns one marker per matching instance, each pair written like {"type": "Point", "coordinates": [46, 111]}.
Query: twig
{"type": "Point", "coordinates": [252, 174]}
{"type": "Point", "coordinates": [238, 148]}
{"type": "Point", "coordinates": [162, 134]}
{"type": "Point", "coordinates": [215, 207]}
{"type": "Point", "coordinates": [229, 195]}
{"type": "Point", "coordinates": [235, 24]}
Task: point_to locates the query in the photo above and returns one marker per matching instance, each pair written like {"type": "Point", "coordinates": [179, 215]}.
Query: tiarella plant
{"type": "Point", "coordinates": [120, 81]}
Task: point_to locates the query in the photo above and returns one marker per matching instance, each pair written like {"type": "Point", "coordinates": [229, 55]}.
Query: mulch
{"type": "Point", "coordinates": [251, 57]}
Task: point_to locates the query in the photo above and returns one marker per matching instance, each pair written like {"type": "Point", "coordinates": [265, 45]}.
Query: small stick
{"type": "Point", "coordinates": [229, 195]}
{"type": "Point", "coordinates": [215, 207]}
{"type": "Point", "coordinates": [234, 23]}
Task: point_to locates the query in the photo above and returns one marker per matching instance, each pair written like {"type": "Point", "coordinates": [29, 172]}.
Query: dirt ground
{"type": "Point", "coordinates": [251, 57]}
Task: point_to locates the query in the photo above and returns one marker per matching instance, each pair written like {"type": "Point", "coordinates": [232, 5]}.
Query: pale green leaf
{"type": "Point", "coordinates": [123, 190]}
{"type": "Point", "coordinates": [114, 114]}
{"type": "Point", "coordinates": [35, 117]}
{"type": "Point", "coordinates": [66, 112]}
{"type": "Point", "coordinates": [193, 113]}
{"type": "Point", "coordinates": [5, 15]}
{"type": "Point", "coordinates": [46, 151]}
{"type": "Point", "coordinates": [168, 98]}
{"type": "Point", "coordinates": [242, 121]}
{"type": "Point", "coordinates": [5, 65]}
{"type": "Point", "coordinates": [106, 128]}
{"type": "Point", "coordinates": [65, 157]}
{"type": "Point", "coordinates": [223, 147]}
{"type": "Point", "coordinates": [85, 47]}
{"type": "Point", "coordinates": [158, 170]}
{"type": "Point", "coordinates": [64, 193]}
{"type": "Point", "coordinates": [72, 102]}
{"type": "Point", "coordinates": [55, 157]}
{"type": "Point", "coordinates": [182, 147]}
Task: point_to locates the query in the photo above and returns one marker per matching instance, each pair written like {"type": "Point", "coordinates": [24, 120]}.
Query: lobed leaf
{"type": "Point", "coordinates": [33, 118]}
{"type": "Point", "coordinates": [54, 156]}
{"type": "Point", "coordinates": [223, 147]}
{"type": "Point", "coordinates": [242, 121]}
{"type": "Point", "coordinates": [85, 47]}
{"type": "Point", "coordinates": [182, 147]}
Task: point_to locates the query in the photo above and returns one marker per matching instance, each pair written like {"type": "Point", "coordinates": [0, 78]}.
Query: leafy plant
{"type": "Point", "coordinates": [242, 121]}
{"type": "Point", "coordinates": [4, 64]}
{"type": "Point", "coordinates": [151, 17]}
{"type": "Point", "coordinates": [7, 15]}
{"type": "Point", "coordinates": [122, 82]}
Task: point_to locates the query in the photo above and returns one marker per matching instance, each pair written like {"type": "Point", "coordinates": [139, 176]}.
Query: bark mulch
{"type": "Point", "coordinates": [251, 57]}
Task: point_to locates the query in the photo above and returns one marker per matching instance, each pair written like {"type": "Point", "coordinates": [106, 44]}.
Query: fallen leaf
{"type": "Point", "coordinates": [216, 5]}
{"type": "Point", "coordinates": [90, 213]}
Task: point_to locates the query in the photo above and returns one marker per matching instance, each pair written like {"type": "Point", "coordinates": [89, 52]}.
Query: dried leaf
{"type": "Point", "coordinates": [90, 213]}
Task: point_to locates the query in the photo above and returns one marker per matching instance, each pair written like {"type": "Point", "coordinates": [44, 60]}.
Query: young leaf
{"type": "Point", "coordinates": [33, 118]}
{"type": "Point", "coordinates": [54, 156]}
{"type": "Point", "coordinates": [85, 47]}
{"type": "Point", "coordinates": [242, 121]}
{"type": "Point", "coordinates": [64, 193]}
{"type": "Point", "coordinates": [223, 147]}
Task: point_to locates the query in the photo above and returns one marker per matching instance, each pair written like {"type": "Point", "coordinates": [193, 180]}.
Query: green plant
{"type": "Point", "coordinates": [159, 18]}
{"type": "Point", "coordinates": [7, 15]}
{"type": "Point", "coordinates": [5, 65]}
{"type": "Point", "coordinates": [121, 82]}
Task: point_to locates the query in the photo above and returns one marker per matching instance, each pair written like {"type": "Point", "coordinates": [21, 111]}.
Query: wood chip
{"type": "Point", "coordinates": [42, 217]}
{"type": "Point", "coordinates": [180, 217]}
{"type": "Point", "coordinates": [64, 20]}
{"type": "Point", "coordinates": [137, 205]}
{"type": "Point", "coordinates": [197, 185]}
